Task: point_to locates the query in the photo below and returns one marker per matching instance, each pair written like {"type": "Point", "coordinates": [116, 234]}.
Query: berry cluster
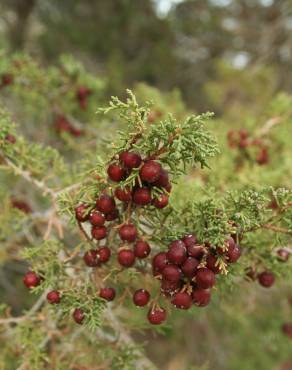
{"type": "Point", "coordinates": [187, 271]}
{"type": "Point", "coordinates": [109, 208]}
{"type": "Point", "coordinates": [242, 139]}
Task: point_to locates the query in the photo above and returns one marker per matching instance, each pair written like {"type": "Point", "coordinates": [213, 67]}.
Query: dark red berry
{"type": "Point", "coordinates": [205, 278]}
{"type": "Point", "coordinates": [31, 279]}
{"type": "Point", "coordinates": [78, 315]}
{"type": "Point", "coordinates": [163, 179]}
{"type": "Point", "coordinates": [212, 263]}
{"type": "Point", "coordinates": [177, 252]}
{"type": "Point", "coordinates": [287, 329]}
{"type": "Point", "coordinates": [112, 216]}
{"type": "Point", "coordinates": [150, 171]}
{"type": "Point", "coordinates": [128, 232]}
{"type": "Point", "coordinates": [171, 273]}
{"type": "Point", "coordinates": [6, 79]}
{"type": "Point", "coordinates": [115, 172]}
{"type": "Point", "coordinates": [159, 262]}
{"type": "Point", "coordinates": [161, 201]}
{"type": "Point", "coordinates": [283, 254]}
{"type": "Point", "coordinates": [130, 159]}
{"type": "Point", "coordinates": [141, 297]}
{"type": "Point", "coordinates": [96, 218]}
{"type": "Point", "coordinates": [21, 205]}
{"type": "Point", "coordinates": [10, 138]}
{"type": "Point", "coordinates": [182, 300]}
{"type": "Point", "coordinates": [90, 258]}
{"type": "Point", "coordinates": [190, 240]}
{"type": "Point", "coordinates": [99, 232]}
{"type": "Point", "coordinates": [189, 267]}
{"type": "Point", "coordinates": [263, 157]}
{"type": "Point", "coordinates": [107, 293]}
{"type": "Point", "coordinates": [142, 196]}
{"type": "Point", "coordinates": [142, 249]}
{"type": "Point", "coordinates": [201, 297]}
{"type": "Point", "coordinates": [196, 251]}
{"type": "Point", "coordinates": [126, 257]}
{"type": "Point", "coordinates": [54, 297]}
{"type": "Point", "coordinates": [229, 244]}
{"type": "Point", "coordinates": [168, 288]}
{"type": "Point", "coordinates": [233, 254]}
{"type": "Point", "coordinates": [103, 254]}
{"type": "Point", "coordinates": [83, 92]}
{"type": "Point", "coordinates": [124, 195]}
{"type": "Point", "coordinates": [81, 212]}
{"type": "Point", "coordinates": [266, 279]}
{"type": "Point", "coordinates": [156, 315]}
{"type": "Point", "coordinates": [106, 204]}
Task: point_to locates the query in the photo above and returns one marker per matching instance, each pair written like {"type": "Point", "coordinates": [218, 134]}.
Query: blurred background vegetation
{"type": "Point", "coordinates": [232, 57]}
{"type": "Point", "coordinates": [165, 43]}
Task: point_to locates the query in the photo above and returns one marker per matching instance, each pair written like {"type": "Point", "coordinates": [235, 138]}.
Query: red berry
{"type": "Point", "coordinates": [115, 172]}
{"type": "Point", "coordinates": [130, 159]}
{"type": "Point", "coordinates": [6, 79]}
{"type": "Point", "coordinates": [83, 92]}
{"type": "Point", "coordinates": [90, 258]}
{"type": "Point", "coordinates": [163, 179]}
{"type": "Point", "coordinates": [150, 171]}
{"type": "Point", "coordinates": [263, 157]}
{"type": "Point", "coordinates": [212, 263]}
{"type": "Point", "coordinates": [128, 232]}
{"type": "Point", "coordinates": [283, 254]}
{"type": "Point", "coordinates": [99, 232]}
{"type": "Point", "coordinates": [103, 254]}
{"type": "Point", "coordinates": [159, 262]}
{"type": "Point", "coordinates": [233, 254]}
{"type": "Point", "coordinates": [196, 251]}
{"type": "Point", "coordinates": [156, 315]}
{"type": "Point", "coordinates": [182, 300]}
{"type": "Point", "coordinates": [189, 267]}
{"type": "Point", "coordinates": [124, 195]}
{"type": "Point", "coordinates": [112, 216]}
{"type": "Point", "coordinates": [96, 218]}
{"type": "Point", "coordinates": [229, 244]}
{"type": "Point", "coordinates": [287, 329]}
{"type": "Point", "coordinates": [205, 278]}
{"type": "Point", "coordinates": [266, 279]}
{"type": "Point", "coordinates": [31, 279]}
{"type": "Point", "coordinates": [142, 249]}
{"type": "Point", "coordinates": [76, 131]}
{"type": "Point", "coordinates": [126, 257]}
{"type": "Point", "coordinates": [168, 288]}
{"type": "Point", "coordinates": [142, 196]}
{"type": "Point", "coordinates": [201, 297]}
{"type": "Point", "coordinates": [243, 143]}
{"type": "Point", "coordinates": [107, 293]}
{"type": "Point", "coordinates": [10, 138]}
{"type": "Point", "coordinates": [243, 133]}
{"type": "Point", "coordinates": [106, 204]}
{"type": "Point", "coordinates": [21, 205]}
{"type": "Point", "coordinates": [78, 315]}
{"type": "Point", "coordinates": [171, 273]}
{"type": "Point", "coordinates": [54, 297]}
{"type": "Point", "coordinates": [190, 240]}
{"type": "Point", "coordinates": [177, 252]}
{"type": "Point", "coordinates": [141, 297]}
{"type": "Point", "coordinates": [161, 202]}
{"type": "Point", "coordinates": [81, 212]}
